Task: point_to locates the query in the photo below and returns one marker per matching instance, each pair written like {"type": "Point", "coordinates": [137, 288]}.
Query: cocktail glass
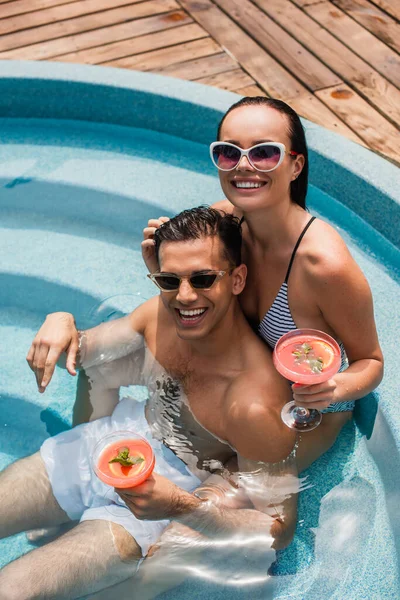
{"type": "Point", "coordinates": [111, 460]}
{"type": "Point", "coordinates": [305, 356]}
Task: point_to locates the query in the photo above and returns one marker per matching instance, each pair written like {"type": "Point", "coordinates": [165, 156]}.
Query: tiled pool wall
{"type": "Point", "coordinates": [347, 171]}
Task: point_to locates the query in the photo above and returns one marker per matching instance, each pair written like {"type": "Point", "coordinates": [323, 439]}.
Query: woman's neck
{"type": "Point", "coordinates": [271, 227]}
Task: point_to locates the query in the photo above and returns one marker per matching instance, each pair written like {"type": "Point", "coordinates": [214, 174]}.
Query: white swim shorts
{"type": "Point", "coordinates": [81, 494]}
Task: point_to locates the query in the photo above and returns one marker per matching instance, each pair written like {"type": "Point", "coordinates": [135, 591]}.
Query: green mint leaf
{"type": "Point", "coordinates": [137, 460]}
{"type": "Point", "coordinates": [122, 461]}
{"type": "Point", "coordinates": [125, 460]}
{"type": "Point", "coordinates": [316, 365]}
{"type": "Point", "coordinates": [305, 354]}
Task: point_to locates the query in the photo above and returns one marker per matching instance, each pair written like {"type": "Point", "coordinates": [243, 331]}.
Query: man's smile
{"type": "Point", "coordinates": [189, 317]}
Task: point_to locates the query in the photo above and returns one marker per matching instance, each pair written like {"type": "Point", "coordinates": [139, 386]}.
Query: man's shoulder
{"type": "Point", "coordinates": [152, 320]}
{"type": "Point", "coordinates": [145, 314]}
{"type": "Point", "coordinates": [253, 418]}
{"type": "Point", "coordinates": [258, 366]}
{"type": "Point", "coordinates": [262, 384]}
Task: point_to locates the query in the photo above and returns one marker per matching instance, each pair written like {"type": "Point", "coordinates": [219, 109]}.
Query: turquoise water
{"type": "Point", "coordinates": [74, 199]}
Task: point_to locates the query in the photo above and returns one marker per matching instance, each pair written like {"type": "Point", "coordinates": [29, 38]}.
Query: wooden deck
{"type": "Point", "coordinates": [335, 61]}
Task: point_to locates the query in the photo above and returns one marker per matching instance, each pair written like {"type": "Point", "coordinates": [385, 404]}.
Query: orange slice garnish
{"type": "Point", "coordinates": [327, 353]}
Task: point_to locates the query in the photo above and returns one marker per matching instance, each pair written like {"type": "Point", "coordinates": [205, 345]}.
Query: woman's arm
{"type": "Point", "coordinates": [345, 302]}
{"type": "Point", "coordinates": [148, 250]}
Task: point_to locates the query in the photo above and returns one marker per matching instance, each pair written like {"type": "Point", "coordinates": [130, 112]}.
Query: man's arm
{"type": "Point", "coordinates": [271, 511]}
{"type": "Point", "coordinates": [267, 471]}
{"type": "Point", "coordinates": [59, 336]}
{"type": "Point", "coordinates": [270, 523]}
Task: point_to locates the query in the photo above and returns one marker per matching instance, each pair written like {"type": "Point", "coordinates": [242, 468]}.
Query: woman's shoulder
{"type": "Point", "coordinates": [228, 207]}
{"type": "Point", "coordinates": [325, 254]}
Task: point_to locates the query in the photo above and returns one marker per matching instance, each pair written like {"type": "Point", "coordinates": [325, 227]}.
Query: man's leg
{"type": "Point", "coordinates": [176, 556]}
{"type": "Point", "coordinates": [90, 557]}
{"type": "Point", "coordinates": [167, 565]}
{"type": "Point", "coordinates": [26, 498]}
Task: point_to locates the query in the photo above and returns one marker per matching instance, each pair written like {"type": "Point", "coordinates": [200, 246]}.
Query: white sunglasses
{"type": "Point", "coordinates": [263, 157]}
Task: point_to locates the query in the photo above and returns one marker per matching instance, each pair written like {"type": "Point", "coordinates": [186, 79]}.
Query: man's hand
{"type": "Point", "coordinates": [58, 334]}
{"type": "Point", "coordinates": [158, 498]}
{"type": "Point", "coordinates": [148, 252]}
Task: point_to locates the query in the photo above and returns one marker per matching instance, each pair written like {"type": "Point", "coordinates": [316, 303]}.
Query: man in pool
{"type": "Point", "coordinates": [214, 397]}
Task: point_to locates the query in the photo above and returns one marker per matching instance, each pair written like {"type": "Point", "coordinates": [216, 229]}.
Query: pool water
{"type": "Point", "coordinates": [74, 199]}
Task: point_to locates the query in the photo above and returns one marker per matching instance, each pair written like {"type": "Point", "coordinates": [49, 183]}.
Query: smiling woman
{"type": "Point", "coordinates": [265, 153]}
{"type": "Point", "coordinates": [327, 289]}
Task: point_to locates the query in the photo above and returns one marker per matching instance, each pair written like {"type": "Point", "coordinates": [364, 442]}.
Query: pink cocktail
{"type": "Point", "coordinates": [307, 357]}
{"type": "Point", "coordinates": [123, 459]}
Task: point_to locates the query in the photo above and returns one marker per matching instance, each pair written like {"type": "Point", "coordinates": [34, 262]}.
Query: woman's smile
{"type": "Point", "coordinates": [248, 184]}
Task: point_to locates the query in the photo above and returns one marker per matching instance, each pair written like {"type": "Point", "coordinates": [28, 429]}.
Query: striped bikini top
{"type": "Point", "coordinates": [278, 320]}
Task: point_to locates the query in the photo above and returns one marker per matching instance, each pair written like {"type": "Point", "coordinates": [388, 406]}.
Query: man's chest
{"type": "Point", "coordinates": [193, 391]}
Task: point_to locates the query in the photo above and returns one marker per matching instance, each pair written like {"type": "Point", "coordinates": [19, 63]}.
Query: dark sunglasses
{"type": "Point", "coordinates": [169, 282]}
{"type": "Point", "coordinates": [263, 157]}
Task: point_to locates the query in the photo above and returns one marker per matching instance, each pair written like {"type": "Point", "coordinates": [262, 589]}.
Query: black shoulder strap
{"type": "Point", "coordinates": [296, 246]}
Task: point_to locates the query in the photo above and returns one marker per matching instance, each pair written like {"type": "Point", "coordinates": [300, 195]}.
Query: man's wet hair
{"type": "Point", "coordinates": [200, 222]}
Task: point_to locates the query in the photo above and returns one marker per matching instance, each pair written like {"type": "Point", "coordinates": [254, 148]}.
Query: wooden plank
{"type": "Point", "coordinates": [374, 129]}
{"type": "Point", "coordinates": [160, 59]}
{"type": "Point", "coordinates": [250, 90]}
{"type": "Point", "coordinates": [283, 47]}
{"type": "Point", "coordinates": [392, 7]}
{"type": "Point", "coordinates": [262, 67]}
{"type": "Point", "coordinates": [372, 18]}
{"type": "Point", "coordinates": [59, 13]}
{"type": "Point", "coordinates": [200, 67]}
{"type": "Point", "coordinates": [85, 23]}
{"type": "Point", "coordinates": [356, 72]}
{"type": "Point", "coordinates": [269, 74]}
{"type": "Point", "coordinates": [308, 2]}
{"type": "Point", "coordinates": [311, 108]}
{"type": "Point", "coordinates": [360, 40]}
{"type": "Point", "coordinates": [18, 7]}
{"type": "Point", "coordinates": [97, 37]}
{"type": "Point", "coordinates": [230, 80]}
{"type": "Point", "coordinates": [165, 34]}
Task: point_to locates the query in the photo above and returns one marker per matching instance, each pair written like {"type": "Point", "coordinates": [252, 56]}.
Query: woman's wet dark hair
{"type": "Point", "coordinates": [298, 187]}
{"type": "Point", "coordinates": [204, 221]}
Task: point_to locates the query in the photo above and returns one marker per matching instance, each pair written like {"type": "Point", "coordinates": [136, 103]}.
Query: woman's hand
{"type": "Point", "coordinates": [58, 334]}
{"type": "Point", "coordinates": [148, 251]}
{"type": "Point", "coordinates": [318, 395]}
